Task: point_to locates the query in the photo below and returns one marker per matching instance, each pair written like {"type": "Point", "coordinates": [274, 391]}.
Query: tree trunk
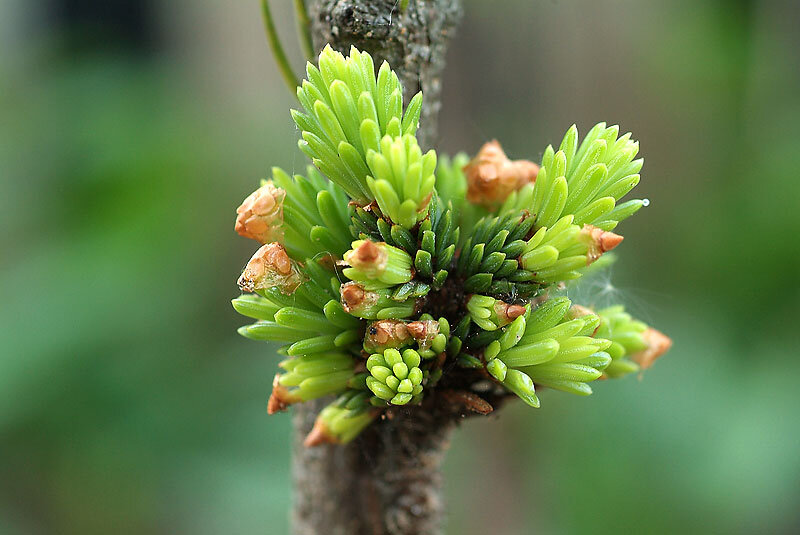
{"type": "Point", "coordinates": [388, 480]}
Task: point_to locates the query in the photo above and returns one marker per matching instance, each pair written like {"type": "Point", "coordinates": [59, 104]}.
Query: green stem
{"type": "Point", "coordinates": [277, 49]}
{"type": "Point", "coordinates": [304, 29]}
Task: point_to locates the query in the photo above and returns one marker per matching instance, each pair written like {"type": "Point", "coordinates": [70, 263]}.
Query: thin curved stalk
{"type": "Point", "coordinates": [277, 49]}
{"type": "Point", "coordinates": [304, 29]}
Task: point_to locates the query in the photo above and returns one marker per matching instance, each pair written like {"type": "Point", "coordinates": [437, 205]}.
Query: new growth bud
{"type": "Point", "coordinates": [402, 179]}
{"type": "Point", "coordinates": [431, 336]}
{"type": "Point", "coordinates": [260, 215]}
{"type": "Point", "coordinates": [271, 267]}
{"type": "Point", "coordinates": [377, 265]}
{"type": "Point", "coordinates": [563, 251]}
{"type": "Point", "coordinates": [373, 304]}
{"type": "Point", "coordinates": [598, 241]}
{"type": "Point", "coordinates": [548, 349]}
{"type": "Point", "coordinates": [348, 111]}
{"type": "Point", "coordinates": [341, 421]}
{"type": "Point", "coordinates": [490, 313]}
{"type": "Point", "coordinates": [281, 398]}
{"type": "Point", "coordinates": [310, 377]}
{"type": "Point", "coordinates": [492, 176]}
{"type": "Point", "coordinates": [395, 377]}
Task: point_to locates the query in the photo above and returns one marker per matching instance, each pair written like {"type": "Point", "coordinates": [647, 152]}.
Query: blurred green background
{"type": "Point", "coordinates": [130, 131]}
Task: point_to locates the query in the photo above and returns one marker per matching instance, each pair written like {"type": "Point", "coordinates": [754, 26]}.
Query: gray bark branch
{"type": "Point", "coordinates": [388, 481]}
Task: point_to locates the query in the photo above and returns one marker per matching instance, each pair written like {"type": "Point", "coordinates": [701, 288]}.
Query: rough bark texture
{"type": "Point", "coordinates": [387, 481]}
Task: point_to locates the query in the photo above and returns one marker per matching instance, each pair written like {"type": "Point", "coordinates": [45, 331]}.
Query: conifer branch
{"type": "Point", "coordinates": [374, 339]}
{"type": "Point", "coordinates": [398, 280]}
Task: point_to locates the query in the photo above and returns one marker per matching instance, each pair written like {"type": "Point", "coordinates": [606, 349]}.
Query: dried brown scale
{"type": "Point", "coordinates": [468, 400]}
{"type": "Point", "coordinates": [281, 398]}
{"type": "Point", "coordinates": [328, 261]}
{"type": "Point", "coordinates": [539, 299]}
{"type": "Point", "coordinates": [599, 241]}
{"type": "Point", "coordinates": [440, 358]}
{"type": "Point", "coordinates": [424, 331]}
{"type": "Point", "coordinates": [367, 254]}
{"type": "Point", "coordinates": [492, 176]}
{"type": "Point", "coordinates": [391, 333]}
{"type": "Point", "coordinates": [319, 434]}
{"type": "Point", "coordinates": [507, 313]}
{"type": "Point", "coordinates": [260, 215]}
{"type": "Point", "coordinates": [423, 205]}
{"type": "Point", "coordinates": [353, 295]}
{"type": "Point", "coordinates": [467, 380]}
{"type": "Point", "coordinates": [579, 311]}
{"type": "Point", "coordinates": [270, 267]}
{"type": "Point", "coordinates": [657, 344]}
{"type": "Point", "coordinates": [371, 206]}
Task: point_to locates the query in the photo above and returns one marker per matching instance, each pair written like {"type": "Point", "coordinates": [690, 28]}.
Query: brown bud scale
{"type": "Point", "coordinates": [424, 331]}
{"type": "Point", "coordinates": [354, 296]}
{"type": "Point", "coordinates": [368, 257]}
{"type": "Point", "coordinates": [270, 267]}
{"type": "Point", "coordinates": [260, 215]}
{"type": "Point", "coordinates": [281, 398]}
{"type": "Point", "coordinates": [657, 344]}
{"type": "Point", "coordinates": [468, 400]}
{"type": "Point", "coordinates": [507, 313]}
{"type": "Point", "coordinates": [599, 241]}
{"type": "Point", "coordinates": [319, 434]}
{"type": "Point", "coordinates": [492, 176]}
{"type": "Point", "coordinates": [386, 333]}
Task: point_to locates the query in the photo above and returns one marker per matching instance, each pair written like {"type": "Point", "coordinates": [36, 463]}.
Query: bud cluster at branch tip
{"type": "Point", "coordinates": [393, 278]}
{"type": "Point", "coordinates": [395, 377]}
